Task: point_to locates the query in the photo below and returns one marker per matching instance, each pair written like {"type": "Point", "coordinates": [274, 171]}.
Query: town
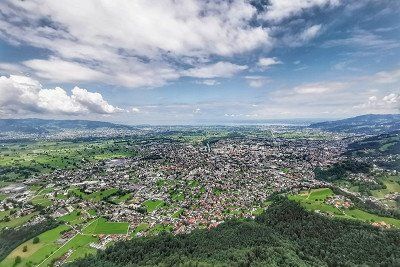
{"type": "Point", "coordinates": [170, 185]}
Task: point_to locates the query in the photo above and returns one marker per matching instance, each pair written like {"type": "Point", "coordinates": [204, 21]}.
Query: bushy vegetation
{"type": "Point", "coordinates": [341, 169]}
{"type": "Point", "coordinates": [379, 146]}
{"type": "Point", "coordinates": [285, 235]}
{"type": "Point", "coordinates": [368, 206]}
{"type": "Point", "coordinates": [12, 238]}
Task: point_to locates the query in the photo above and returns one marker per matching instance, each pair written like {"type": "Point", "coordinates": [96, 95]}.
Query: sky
{"type": "Point", "coordinates": [198, 61]}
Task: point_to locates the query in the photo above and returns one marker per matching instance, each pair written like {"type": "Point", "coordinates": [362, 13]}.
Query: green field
{"type": "Point", "coordinates": [141, 227]}
{"type": "Point", "coordinates": [17, 221]}
{"type": "Point", "coordinates": [92, 212]}
{"type": "Point", "coordinates": [82, 252]}
{"type": "Point", "coordinates": [23, 160]}
{"type": "Point", "coordinates": [178, 213]}
{"type": "Point", "coordinates": [36, 253]}
{"type": "Point", "coordinates": [392, 186]}
{"type": "Point", "coordinates": [122, 198]}
{"type": "Point", "coordinates": [158, 228]}
{"type": "Point", "coordinates": [368, 217]}
{"type": "Point", "coordinates": [193, 183]}
{"type": "Point", "coordinates": [5, 213]}
{"type": "Point", "coordinates": [152, 205]}
{"type": "Point", "coordinates": [304, 135]}
{"type": "Point", "coordinates": [103, 194]}
{"type": "Point", "coordinates": [96, 196]}
{"type": "Point", "coordinates": [102, 226]}
{"type": "Point", "coordinates": [178, 196]}
{"type": "Point", "coordinates": [75, 244]}
{"type": "Point", "coordinates": [315, 200]}
{"type": "Point", "coordinates": [42, 201]}
{"type": "Point", "coordinates": [73, 218]}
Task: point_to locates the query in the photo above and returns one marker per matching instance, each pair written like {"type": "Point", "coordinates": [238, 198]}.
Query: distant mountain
{"type": "Point", "coordinates": [366, 124]}
{"type": "Point", "coordinates": [41, 126]}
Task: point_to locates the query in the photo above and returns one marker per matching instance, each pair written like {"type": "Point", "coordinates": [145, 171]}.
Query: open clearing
{"type": "Point", "coordinates": [102, 226]}
{"type": "Point", "coordinates": [96, 196]}
{"type": "Point", "coordinates": [152, 205]}
{"type": "Point", "coordinates": [315, 200]}
{"type": "Point", "coordinates": [76, 243]}
{"type": "Point", "coordinates": [14, 222]}
{"type": "Point", "coordinates": [392, 186]}
{"type": "Point", "coordinates": [36, 253]}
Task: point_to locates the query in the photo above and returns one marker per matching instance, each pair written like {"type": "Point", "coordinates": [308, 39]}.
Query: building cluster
{"type": "Point", "coordinates": [190, 186]}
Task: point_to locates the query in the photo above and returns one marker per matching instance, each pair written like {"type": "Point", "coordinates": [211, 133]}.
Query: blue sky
{"type": "Point", "coordinates": [184, 62]}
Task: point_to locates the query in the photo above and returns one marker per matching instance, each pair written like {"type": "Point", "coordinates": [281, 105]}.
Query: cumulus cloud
{"type": "Point", "coordinates": [135, 110]}
{"type": "Point", "coordinates": [266, 62]}
{"type": "Point", "coordinates": [279, 10]}
{"type": "Point", "coordinates": [123, 42]}
{"type": "Point", "coordinates": [375, 103]}
{"type": "Point", "coordinates": [220, 69]}
{"type": "Point", "coordinates": [20, 94]}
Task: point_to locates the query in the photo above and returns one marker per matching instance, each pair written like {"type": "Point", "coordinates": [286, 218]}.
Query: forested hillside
{"type": "Point", "coordinates": [382, 150]}
{"type": "Point", "coordinates": [370, 124]}
{"type": "Point", "coordinates": [285, 235]}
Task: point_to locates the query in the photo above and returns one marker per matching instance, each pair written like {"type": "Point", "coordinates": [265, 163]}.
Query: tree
{"type": "Point", "coordinates": [17, 260]}
{"type": "Point", "coordinates": [35, 240]}
{"type": "Point", "coordinates": [25, 249]}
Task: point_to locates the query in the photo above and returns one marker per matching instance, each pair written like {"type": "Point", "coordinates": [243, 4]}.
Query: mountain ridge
{"type": "Point", "coordinates": [370, 124]}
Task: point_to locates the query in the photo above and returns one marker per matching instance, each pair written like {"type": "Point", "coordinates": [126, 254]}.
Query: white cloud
{"type": "Point", "coordinates": [10, 68]}
{"type": "Point", "coordinates": [209, 82]}
{"type": "Point", "coordinates": [20, 94]}
{"type": "Point", "coordinates": [303, 37]}
{"type": "Point", "coordinates": [364, 39]}
{"type": "Point", "coordinates": [124, 42]}
{"type": "Point", "coordinates": [59, 70]}
{"type": "Point", "coordinates": [319, 88]}
{"type": "Point", "coordinates": [256, 81]}
{"type": "Point", "coordinates": [93, 102]}
{"type": "Point", "coordinates": [377, 104]}
{"type": "Point", "coordinates": [266, 62]}
{"type": "Point", "coordinates": [386, 77]}
{"type": "Point", "coordinates": [282, 9]}
{"type": "Point", "coordinates": [310, 32]}
{"type": "Point", "coordinates": [134, 110]}
{"type": "Point", "coordinates": [220, 69]}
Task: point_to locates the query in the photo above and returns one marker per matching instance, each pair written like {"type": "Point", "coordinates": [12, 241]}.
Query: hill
{"type": "Point", "coordinates": [42, 126]}
{"type": "Point", "coordinates": [285, 235]}
{"type": "Point", "coordinates": [371, 124]}
{"type": "Point", "coordinates": [383, 150]}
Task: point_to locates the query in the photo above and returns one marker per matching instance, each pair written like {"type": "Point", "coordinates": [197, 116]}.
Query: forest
{"type": "Point", "coordinates": [340, 170]}
{"type": "Point", "coordinates": [284, 235]}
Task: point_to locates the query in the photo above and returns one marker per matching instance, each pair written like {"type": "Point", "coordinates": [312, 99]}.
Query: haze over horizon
{"type": "Point", "coordinates": [190, 62]}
